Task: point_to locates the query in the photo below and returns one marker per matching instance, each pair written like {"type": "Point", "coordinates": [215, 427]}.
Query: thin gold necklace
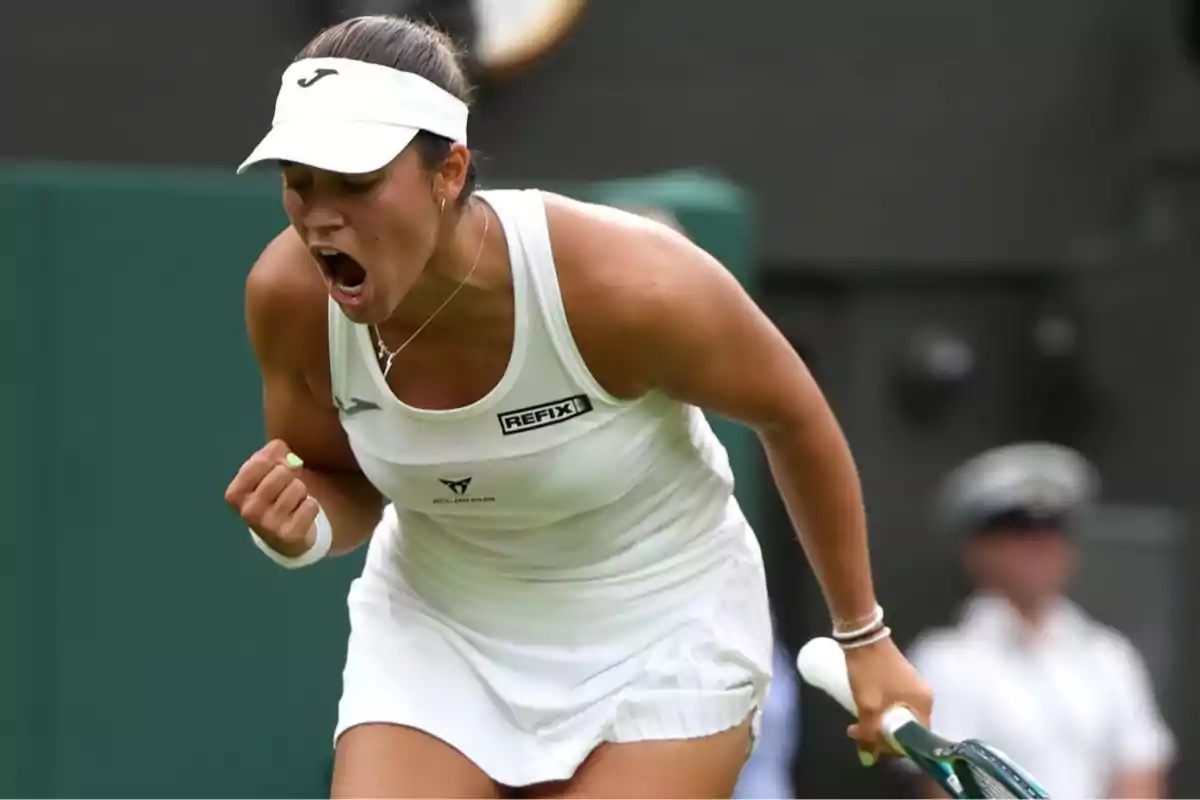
{"type": "Point", "coordinates": [386, 355]}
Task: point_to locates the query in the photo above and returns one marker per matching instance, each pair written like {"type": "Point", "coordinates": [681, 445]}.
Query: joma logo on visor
{"type": "Point", "coordinates": [304, 83]}
{"type": "Point", "coordinates": [539, 416]}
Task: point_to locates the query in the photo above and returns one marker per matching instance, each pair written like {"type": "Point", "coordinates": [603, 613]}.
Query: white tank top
{"type": "Point", "coordinates": [548, 480]}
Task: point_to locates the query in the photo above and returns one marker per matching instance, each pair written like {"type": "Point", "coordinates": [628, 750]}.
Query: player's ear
{"type": "Point", "coordinates": [452, 172]}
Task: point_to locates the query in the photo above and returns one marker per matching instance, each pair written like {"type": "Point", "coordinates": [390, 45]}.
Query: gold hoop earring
{"type": "Point", "coordinates": [443, 208]}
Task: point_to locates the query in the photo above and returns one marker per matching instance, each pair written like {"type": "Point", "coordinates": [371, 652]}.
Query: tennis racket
{"type": "Point", "coordinates": [967, 769]}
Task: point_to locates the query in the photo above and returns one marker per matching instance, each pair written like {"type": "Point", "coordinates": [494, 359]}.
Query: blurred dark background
{"type": "Point", "coordinates": [1015, 184]}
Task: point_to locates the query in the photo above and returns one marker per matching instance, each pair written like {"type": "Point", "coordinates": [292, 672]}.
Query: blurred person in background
{"type": "Point", "coordinates": [561, 592]}
{"type": "Point", "coordinates": [1025, 668]}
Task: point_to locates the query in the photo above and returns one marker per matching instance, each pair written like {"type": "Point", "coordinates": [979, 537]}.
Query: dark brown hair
{"type": "Point", "coordinates": [410, 46]}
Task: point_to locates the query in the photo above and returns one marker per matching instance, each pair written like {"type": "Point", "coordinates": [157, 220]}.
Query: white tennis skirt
{"type": "Point", "coordinates": [528, 681]}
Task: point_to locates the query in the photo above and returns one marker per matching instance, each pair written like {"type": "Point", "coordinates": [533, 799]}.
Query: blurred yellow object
{"type": "Point", "coordinates": [513, 34]}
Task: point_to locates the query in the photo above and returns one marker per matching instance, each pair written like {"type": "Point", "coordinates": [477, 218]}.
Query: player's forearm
{"type": "Point", "coordinates": [352, 505]}
{"type": "Point", "coordinates": [819, 484]}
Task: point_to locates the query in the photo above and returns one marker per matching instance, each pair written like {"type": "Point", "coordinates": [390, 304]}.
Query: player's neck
{"type": "Point", "coordinates": [454, 264]}
{"type": "Point", "coordinates": [458, 244]}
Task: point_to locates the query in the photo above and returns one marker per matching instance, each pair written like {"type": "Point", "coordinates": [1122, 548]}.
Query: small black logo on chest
{"type": "Point", "coordinates": [356, 406]}
{"type": "Point", "coordinates": [543, 414]}
{"type": "Point", "coordinates": [458, 487]}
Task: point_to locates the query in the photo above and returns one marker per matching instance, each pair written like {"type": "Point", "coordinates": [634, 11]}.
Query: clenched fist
{"type": "Point", "coordinates": [273, 500]}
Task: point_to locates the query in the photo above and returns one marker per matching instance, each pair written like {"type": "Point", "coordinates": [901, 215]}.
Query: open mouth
{"type": "Point", "coordinates": [341, 270]}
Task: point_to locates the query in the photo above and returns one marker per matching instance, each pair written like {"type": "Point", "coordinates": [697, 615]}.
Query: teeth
{"type": "Point", "coordinates": [328, 251]}
{"type": "Point", "coordinates": [350, 290]}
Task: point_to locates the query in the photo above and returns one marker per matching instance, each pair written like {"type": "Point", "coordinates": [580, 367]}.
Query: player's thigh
{"type": "Point", "coordinates": [694, 768]}
{"type": "Point", "coordinates": [382, 760]}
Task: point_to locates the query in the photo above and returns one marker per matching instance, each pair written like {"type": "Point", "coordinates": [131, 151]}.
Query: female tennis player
{"type": "Point", "coordinates": [502, 390]}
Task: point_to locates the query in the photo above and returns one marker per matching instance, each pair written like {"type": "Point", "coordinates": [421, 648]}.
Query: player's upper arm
{"type": "Point", "coordinates": [287, 325]}
{"type": "Point", "coordinates": [682, 324]}
{"type": "Point", "coordinates": [714, 347]}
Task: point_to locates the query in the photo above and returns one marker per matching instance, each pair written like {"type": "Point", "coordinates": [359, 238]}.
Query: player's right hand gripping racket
{"type": "Point", "coordinates": [967, 769]}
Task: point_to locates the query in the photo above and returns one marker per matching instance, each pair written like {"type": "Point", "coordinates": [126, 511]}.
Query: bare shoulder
{"type": "Point", "coordinates": [604, 248]}
{"type": "Point", "coordinates": [286, 305]}
{"type": "Point", "coordinates": [624, 277]}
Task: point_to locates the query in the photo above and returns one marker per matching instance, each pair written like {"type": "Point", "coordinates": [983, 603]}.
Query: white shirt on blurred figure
{"type": "Point", "coordinates": [1073, 706]}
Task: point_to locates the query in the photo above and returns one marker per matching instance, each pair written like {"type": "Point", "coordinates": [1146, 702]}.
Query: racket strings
{"type": "Point", "coordinates": [996, 777]}
{"type": "Point", "coordinates": [989, 785]}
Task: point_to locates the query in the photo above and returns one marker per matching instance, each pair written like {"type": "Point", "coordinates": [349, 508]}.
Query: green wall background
{"type": "Point", "coordinates": [149, 650]}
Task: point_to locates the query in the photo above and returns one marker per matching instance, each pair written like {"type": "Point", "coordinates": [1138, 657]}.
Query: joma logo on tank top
{"type": "Point", "coordinates": [543, 414]}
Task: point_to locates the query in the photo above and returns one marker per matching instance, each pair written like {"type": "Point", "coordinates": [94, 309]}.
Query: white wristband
{"type": "Point", "coordinates": [871, 626]}
{"type": "Point", "coordinates": [878, 636]}
{"type": "Point", "coordinates": [320, 547]}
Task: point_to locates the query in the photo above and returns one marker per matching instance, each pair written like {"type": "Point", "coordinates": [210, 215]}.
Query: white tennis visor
{"type": "Point", "coordinates": [349, 116]}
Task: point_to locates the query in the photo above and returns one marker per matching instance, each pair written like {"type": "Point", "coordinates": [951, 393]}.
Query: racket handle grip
{"type": "Point", "coordinates": [893, 720]}
{"type": "Point", "coordinates": [822, 664]}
